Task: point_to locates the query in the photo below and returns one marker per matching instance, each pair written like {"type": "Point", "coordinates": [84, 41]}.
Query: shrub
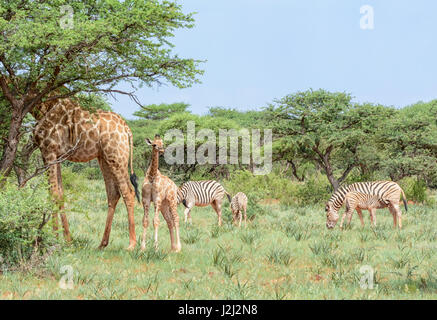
{"type": "Point", "coordinates": [415, 189]}
{"type": "Point", "coordinates": [23, 228]}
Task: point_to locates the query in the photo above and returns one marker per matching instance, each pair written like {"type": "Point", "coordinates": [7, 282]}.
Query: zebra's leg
{"type": "Point", "coordinates": [342, 220]}
{"type": "Point", "coordinates": [245, 216]}
{"type": "Point", "coordinates": [241, 218]}
{"type": "Point", "coordinates": [398, 214]}
{"type": "Point", "coordinates": [360, 215]}
{"type": "Point", "coordinates": [394, 214]}
{"type": "Point", "coordinates": [373, 216]}
{"type": "Point", "coordinates": [216, 205]}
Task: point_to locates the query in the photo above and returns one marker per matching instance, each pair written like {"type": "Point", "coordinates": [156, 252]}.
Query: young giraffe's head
{"type": "Point", "coordinates": [156, 144]}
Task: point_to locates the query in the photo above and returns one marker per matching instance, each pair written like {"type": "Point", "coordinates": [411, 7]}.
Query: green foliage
{"type": "Point", "coordinates": [415, 189]}
{"type": "Point", "coordinates": [157, 112]}
{"type": "Point", "coordinates": [23, 216]}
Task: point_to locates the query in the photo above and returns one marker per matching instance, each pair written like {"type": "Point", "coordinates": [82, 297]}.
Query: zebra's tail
{"type": "Point", "coordinates": [184, 202]}
{"type": "Point", "coordinates": [404, 199]}
{"type": "Point", "coordinates": [229, 196]}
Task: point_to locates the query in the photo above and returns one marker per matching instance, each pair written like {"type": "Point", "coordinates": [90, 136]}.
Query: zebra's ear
{"type": "Point", "coordinates": [148, 141]}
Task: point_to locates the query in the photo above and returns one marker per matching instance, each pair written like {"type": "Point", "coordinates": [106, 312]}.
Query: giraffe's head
{"type": "Point", "coordinates": [331, 216]}
{"type": "Point", "coordinates": [156, 144]}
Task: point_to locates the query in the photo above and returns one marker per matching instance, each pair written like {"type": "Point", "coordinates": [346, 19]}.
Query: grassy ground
{"type": "Point", "coordinates": [286, 253]}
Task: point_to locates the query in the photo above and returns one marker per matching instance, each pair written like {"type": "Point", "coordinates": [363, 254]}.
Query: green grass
{"type": "Point", "coordinates": [286, 253]}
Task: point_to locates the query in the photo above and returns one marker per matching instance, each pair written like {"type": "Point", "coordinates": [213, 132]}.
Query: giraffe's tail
{"type": "Point", "coordinates": [133, 176]}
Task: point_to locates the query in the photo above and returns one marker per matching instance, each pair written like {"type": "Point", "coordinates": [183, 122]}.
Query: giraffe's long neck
{"type": "Point", "coordinates": [154, 165]}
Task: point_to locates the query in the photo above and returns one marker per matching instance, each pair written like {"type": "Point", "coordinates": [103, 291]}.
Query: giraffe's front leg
{"type": "Point", "coordinates": [146, 205]}
{"type": "Point", "coordinates": [157, 203]}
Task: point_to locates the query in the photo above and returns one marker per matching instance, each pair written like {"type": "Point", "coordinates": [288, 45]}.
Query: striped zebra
{"type": "Point", "coordinates": [202, 194]}
{"type": "Point", "coordinates": [387, 191]}
{"type": "Point", "coordinates": [239, 206]}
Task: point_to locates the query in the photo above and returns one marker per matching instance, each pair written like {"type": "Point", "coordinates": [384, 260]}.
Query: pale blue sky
{"type": "Point", "coordinates": [260, 50]}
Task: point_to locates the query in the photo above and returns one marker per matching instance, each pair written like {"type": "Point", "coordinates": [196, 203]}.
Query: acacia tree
{"type": "Point", "coordinates": [327, 129]}
{"type": "Point", "coordinates": [43, 48]}
{"type": "Point", "coordinates": [409, 140]}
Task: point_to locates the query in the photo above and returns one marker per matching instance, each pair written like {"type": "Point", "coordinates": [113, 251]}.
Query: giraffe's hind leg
{"type": "Point", "coordinates": [146, 193]}
{"type": "Point", "coordinates": [165, 209]}
{"type": "Point", "coordinates": [64, 220]}
{"type": "Point", "coordinates": [113, 196]}
{"type": "Point", "coordinates": [121, 176]}
{"type": "Point", "coordinates": [56, 190]}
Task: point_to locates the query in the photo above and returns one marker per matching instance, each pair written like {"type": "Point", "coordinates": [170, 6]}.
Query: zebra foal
{"type": "Point", "coordinates": [360, 201]}
{"type": "Point", "coordinates": [239, 205]}
{"type": "Point", "coordinates": [202, 194]}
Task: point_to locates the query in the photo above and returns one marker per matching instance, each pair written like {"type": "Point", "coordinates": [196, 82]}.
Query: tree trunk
{"type": "Point", "coordinates": [330, 174]}
{"type": "Point", "coordinates": [294, 170]}
{"type": "Point", "coordinates": [10, 148]}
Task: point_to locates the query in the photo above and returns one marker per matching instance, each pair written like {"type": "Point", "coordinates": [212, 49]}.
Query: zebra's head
{"type": "Point", "coordinates": [331, 216]}
{"type": "Point", "coordinates": [156, 144]}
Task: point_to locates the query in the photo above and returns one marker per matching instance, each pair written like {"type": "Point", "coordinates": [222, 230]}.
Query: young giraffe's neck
{"type": "Point", "coordinates": [154, 165]}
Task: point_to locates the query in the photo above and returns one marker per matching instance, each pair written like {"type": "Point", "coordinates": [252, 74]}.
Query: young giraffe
{"type": "Point", "coordinates": [163, 192]}
{"type": "Point", "coordinates": [63, 124]}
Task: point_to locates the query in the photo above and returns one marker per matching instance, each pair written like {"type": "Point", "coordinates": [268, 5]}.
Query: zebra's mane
{"type": "Point", "coordinates": [338, 196]}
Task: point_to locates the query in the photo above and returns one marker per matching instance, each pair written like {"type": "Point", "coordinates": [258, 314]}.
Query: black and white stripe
{"type": "Point", "coordinates": [384, 190]}
{"type": "Point", "coordinates": [201, 193]}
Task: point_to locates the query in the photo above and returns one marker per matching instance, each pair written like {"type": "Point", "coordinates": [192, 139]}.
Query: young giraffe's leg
{"type": "Point", "coordinates": [165, 209]}
{"type": "Point", "coordinates": [64, 220]}
{"type": "Point", "coordinates": [173, 206]}
{"type": "Point", "coordinates": [360, 215]}
{"type": "Point", "coordinates": [146, 192]}
{"type": "Point", "coordinates": [216, 205]}
{"type": "Point", "coordinates": [113, 196]}
{"type": "Point", "coordinates": [157, 204]}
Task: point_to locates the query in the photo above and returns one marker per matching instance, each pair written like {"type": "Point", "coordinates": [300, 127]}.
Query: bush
{"type": "Point", "coordinates": [415, 189]}
{"type": "Point", "coordinates": [315, 190]}
{"type": "Point", "coordinates": [23, 216]}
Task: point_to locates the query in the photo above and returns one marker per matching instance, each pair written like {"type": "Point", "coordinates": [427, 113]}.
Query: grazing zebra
{"type": "Point", "coordinates": [387, 191]}
{"type": "Point", "coordinates": [201, 194]}
{"type": "Point", "coordinates": [238, 204]}
{"type": "Point", "coordinates": [361, 201]}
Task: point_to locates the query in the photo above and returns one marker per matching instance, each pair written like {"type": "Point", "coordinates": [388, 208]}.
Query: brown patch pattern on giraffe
{"type": "Point", "coordinates": [162, 191]}
{"type": "Point", "coordinates": [103, 135]}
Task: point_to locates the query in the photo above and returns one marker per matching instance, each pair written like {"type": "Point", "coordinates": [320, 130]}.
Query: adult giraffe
{"type": "Point", "coordinates": [63, 126]}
